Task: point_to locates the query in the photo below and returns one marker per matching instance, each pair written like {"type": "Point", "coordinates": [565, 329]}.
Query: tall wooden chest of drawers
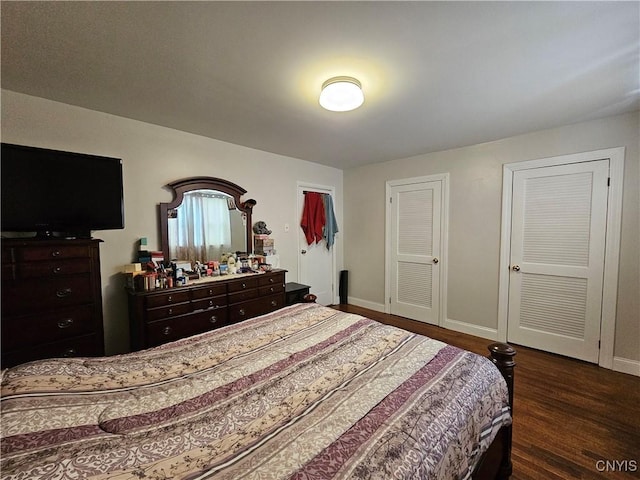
{"type": "Point", "coordinates": [51, 299]}
{"type": "Point", "coordinates": [164, 315]}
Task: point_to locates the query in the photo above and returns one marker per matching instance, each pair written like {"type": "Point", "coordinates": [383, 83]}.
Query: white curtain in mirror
{"type": "Point", "coordinates": [201, 230]}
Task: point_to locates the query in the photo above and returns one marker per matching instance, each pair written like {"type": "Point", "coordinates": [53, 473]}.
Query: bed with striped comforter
{"type": "Point", "coordinates": [307, 392]}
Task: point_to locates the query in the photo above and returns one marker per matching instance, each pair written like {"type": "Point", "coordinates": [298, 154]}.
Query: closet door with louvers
{"type": "Point", "coordinates": [416, 211]}
{"type": "Point", "coordinates": [557, 258]}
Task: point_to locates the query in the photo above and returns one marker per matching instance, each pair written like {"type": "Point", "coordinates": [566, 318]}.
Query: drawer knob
{"type": "Point", "coordinates": [210, 292]}
{"type": "Point", "coordinates": [169, 299]}
{"type": "Point", "coordinates": [56, 253]}
{"type": "Point", "coordinates": [69, 352]}
{"type": "Point", "coordinates": [242, 312]}
{"type": "Point", "coordinates": [62, 293]}
{"type": "Point", "coordinates": [213, 319]}
{"type": "Point", "coordinates": [271, 289]}
{"type": "Point", "coordinates": [274, 303]}
{"type": "Point", "coordinates": [66, 323]}
{"type": "Point", "coordinates": [170, 311]}
{"type": "Point", "coordinates": [271, 280]}
{"type": "Point", "coordinates": [167, 330]}
{"type": "Point", "coordinates": [244, 285]}
{"type": "Point", "coordinates": [56, 270]}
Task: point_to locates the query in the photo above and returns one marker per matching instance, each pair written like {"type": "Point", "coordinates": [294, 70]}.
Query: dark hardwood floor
{"type": "Point", "coordinates": [572, 419]}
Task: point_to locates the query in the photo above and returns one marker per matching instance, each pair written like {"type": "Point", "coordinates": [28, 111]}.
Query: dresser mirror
{"type": "Point", "coordinates": [206, 219]}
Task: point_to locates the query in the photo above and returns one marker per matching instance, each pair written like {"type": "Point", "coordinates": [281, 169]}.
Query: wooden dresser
{"type": "Point", "coordinates": [51, 299]}
{"type": "Point", "coordinates": [164, 315]}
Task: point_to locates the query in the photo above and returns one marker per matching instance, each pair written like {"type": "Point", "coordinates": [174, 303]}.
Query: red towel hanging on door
{"type": "Point", "coordinates": [313, 218]}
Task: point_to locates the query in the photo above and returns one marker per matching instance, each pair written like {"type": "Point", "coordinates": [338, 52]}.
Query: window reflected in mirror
{"type": "Point", "coordinates": [204, 226]}
{"type": "Point", "coordinates": [206, 220]}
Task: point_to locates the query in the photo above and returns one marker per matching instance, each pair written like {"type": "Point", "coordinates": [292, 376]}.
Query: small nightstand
{"type": "Point", "coordinates": [294, 292]}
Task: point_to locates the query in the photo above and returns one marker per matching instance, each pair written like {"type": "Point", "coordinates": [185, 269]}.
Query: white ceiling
{"type": "Point", "coordinates": [436, 75]}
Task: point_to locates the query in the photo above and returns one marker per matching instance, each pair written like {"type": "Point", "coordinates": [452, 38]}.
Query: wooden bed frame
{"type": "Point", "coordinates": [495, 464]}
{"type": "Point", "coordinates": [496, 461]}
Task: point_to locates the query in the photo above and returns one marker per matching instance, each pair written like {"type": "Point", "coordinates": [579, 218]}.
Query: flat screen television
{"type": "Point", "coordinates": [61, 194]}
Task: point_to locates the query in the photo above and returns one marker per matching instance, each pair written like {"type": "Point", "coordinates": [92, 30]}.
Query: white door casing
{"type": "Point", "coordinates": [416, 248]}
{"type": "Point", "coordinates": [316, 263]}
{"type": "Point", "coordinates": [550, 272]}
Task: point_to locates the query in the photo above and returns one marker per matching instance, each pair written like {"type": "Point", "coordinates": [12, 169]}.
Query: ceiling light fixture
{"type": "Point", "coordinates": [341, 94]}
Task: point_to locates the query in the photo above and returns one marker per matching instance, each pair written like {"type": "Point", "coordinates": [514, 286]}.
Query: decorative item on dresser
{"type": "Point", "coordinates": [164, 315]}
{"type": "Point", "coordinates": [51, 299]}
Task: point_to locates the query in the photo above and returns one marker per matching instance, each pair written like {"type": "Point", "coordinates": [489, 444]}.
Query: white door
{"type": "Point", "coordinates": [558, 229]}
{"type": "Point", "coordinates": [316, 263]}
{"type": "Point", "coordinates": [415, 211]}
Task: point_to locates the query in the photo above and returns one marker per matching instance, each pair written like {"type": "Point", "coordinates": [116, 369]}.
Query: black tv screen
{"type": "Point", "coordinates": [52, 192]}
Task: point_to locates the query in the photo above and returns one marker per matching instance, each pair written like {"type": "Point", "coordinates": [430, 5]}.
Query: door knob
{"type": "Point", "coordinates": [303, 252]}
{"type": "Point", "coordinates": [435, 260]}
{"type": "Point", "coordinates": [516, 268]}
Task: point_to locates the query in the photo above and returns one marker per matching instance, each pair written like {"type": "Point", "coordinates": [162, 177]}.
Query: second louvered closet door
{"type": "Point", "coordinates": [557, 258]}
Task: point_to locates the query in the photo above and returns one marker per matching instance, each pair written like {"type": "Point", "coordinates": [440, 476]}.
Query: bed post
{"type": "Point", "coordinates": [502, 356]}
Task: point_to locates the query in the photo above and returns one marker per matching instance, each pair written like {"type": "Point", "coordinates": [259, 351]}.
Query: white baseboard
{"type": "Point", "coordinates": [471, 329]}
{"type": "Point", "coordinates": [358, 302]}
{"type": "Point", "coordinates": [624, 365]}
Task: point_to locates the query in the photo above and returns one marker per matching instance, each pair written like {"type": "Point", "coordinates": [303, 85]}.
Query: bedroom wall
{"type": "Point", "coordinates": [152, 157]}
{"type": "Point", "coordinates": [475, 216]}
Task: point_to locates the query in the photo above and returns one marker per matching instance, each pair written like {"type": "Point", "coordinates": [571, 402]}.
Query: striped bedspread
{"type": "Point", "coordinates": [307, 392]}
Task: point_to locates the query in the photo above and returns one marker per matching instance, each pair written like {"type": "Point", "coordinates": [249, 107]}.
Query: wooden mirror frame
{"type": "Point", "coordinates": [180, 187]}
